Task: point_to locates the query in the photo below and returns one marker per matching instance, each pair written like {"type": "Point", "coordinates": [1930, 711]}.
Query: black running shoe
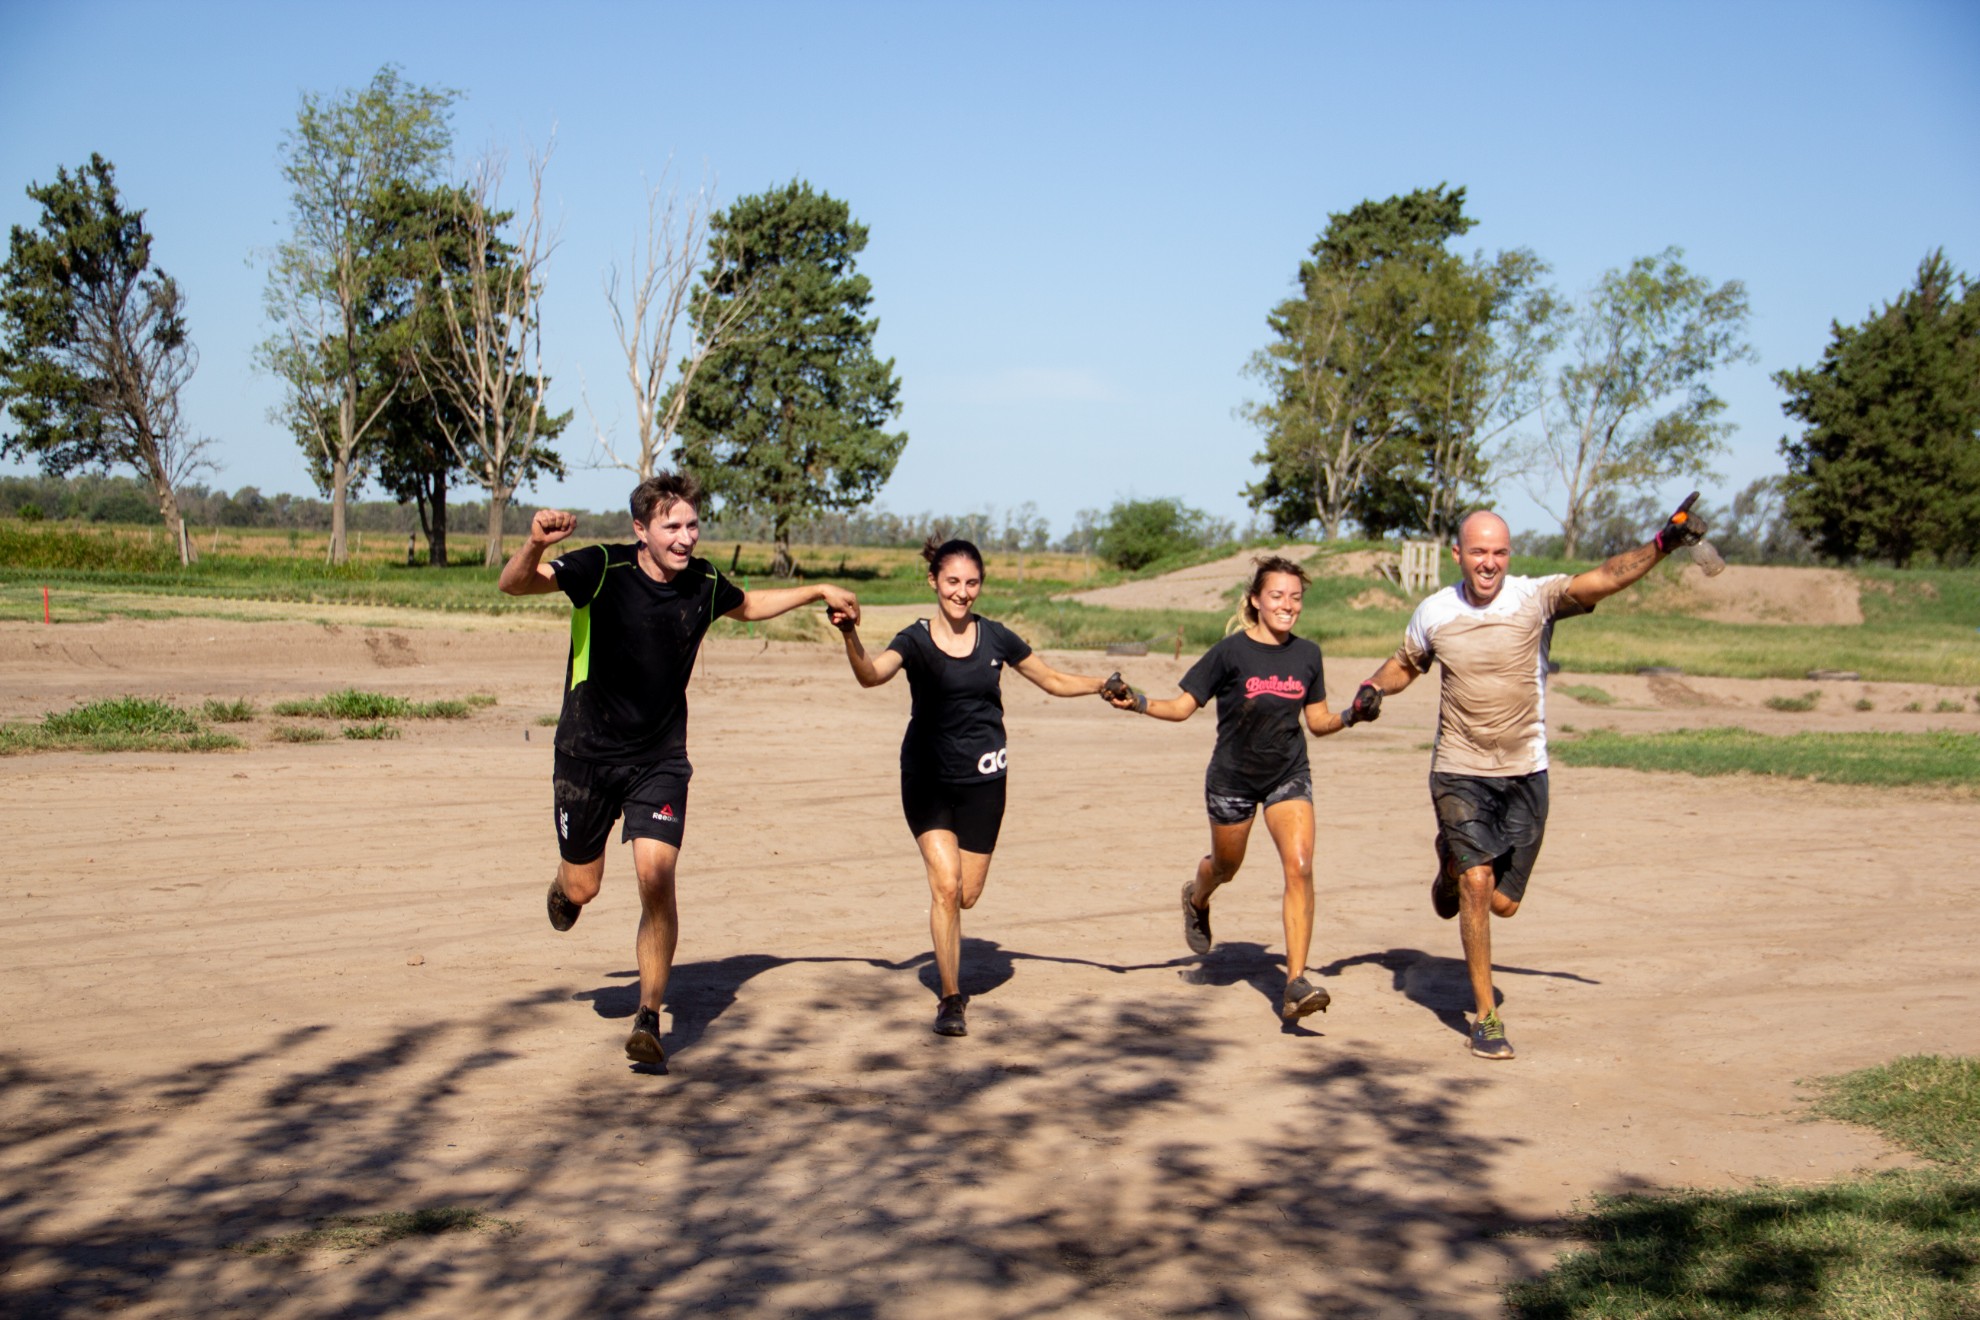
{"type": "Point", "coordinates": [1488, 1038]}
{"type": "Point", "coordinates": [1303, 997]}
{"type": "Point", "coordinates": [563, 912]}
{"type": "Point", "coordinates": [643, 1046]}
{"type": "Point", "coordinates": [949, 1017]}
{"type": "Point", "coordinates": [1444, 889]}
{"type": "Point", "coordinates": [1196, 922]}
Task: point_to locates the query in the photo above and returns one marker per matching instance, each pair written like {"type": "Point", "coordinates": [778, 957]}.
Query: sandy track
{"type": "Point", "coordinates": [215, 1033]}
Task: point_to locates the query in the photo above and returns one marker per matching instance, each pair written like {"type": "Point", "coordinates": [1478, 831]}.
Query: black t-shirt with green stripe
{"type": "Point", "coordinates": [633, 641]}
{"type": "Point", "coordinates": [956, 731]}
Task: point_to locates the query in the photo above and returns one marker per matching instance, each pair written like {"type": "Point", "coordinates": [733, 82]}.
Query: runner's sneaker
{"type": "Point", "coordinates": [1444, 889]}
{"type": "Point", "coordinates": [643, 1046]}
{"type": "Point", "coordinates": [1303, 997]}
{"type": "Point", "coordinates": [563, 912]}
{"type": "Point", "coordinates": [949, 1017]}
{"type": "Point", "coordinates": [1488, 1038]}
{"type": "Point", "coordinates": [1196, 922]}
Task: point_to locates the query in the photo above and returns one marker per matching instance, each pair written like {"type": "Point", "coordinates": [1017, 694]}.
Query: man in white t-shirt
{"type": "Point", "coordinates": [1488, 775]}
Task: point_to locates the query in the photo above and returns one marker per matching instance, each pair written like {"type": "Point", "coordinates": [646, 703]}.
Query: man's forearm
{"type": "Point", "coordinates": [760, 605]}
{"type": "Point", "coordinates": [519, 572]}
{"type": "Point", "coordinates": [1615, 573]}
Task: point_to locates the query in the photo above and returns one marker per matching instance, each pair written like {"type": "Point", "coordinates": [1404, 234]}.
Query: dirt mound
{"type": "Point", "coordinates": [1744, 594]}
{"type": "Point", "coordinates": [1198, 587]}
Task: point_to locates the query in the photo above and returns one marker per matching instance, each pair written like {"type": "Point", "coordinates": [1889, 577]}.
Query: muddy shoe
{"type": "Point", "coordinates": [563, 912]}
{"type": "Point", "coordinates": [1488, 1038]}
{"type": "Point", "coordinates": [643, 1046]}
{"type": "Point", "coordinates": [1444, 890]}
{"type": "Point", "coordinates": [1196, 922]}
{"type": "Point", "coordinates": [949, 1017]}
{"type": "Point", "coordinates": [1302, 998]}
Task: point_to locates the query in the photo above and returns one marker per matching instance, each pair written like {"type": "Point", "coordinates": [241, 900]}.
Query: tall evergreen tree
{"type": "Point", "coordinates": [785, 416]}
{"type": "Point", "coordinates": [1888, 465]}
{"type": "Point", "coordinates": [93, 343]}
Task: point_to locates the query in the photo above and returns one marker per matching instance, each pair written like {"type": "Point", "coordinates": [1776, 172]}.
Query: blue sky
{"type": "Point", "coordinates": [1079, 213]}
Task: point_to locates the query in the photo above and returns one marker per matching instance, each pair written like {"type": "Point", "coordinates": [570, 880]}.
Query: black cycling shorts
{"type": "Point", "coordinates": [590, 795]}
{"type": "Point", "coordinates": [973, 812]}
{"type": "Point", "coordinates": [1491, 819]}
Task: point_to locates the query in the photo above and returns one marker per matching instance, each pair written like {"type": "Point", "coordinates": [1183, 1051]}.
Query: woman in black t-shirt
{"type": "Point", "coordinates": [1265, 681]}
{"type": "Point", "coordinates": [953, 757]}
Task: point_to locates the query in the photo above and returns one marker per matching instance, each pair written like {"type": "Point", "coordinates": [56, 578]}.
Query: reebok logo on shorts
{"type": "Point", "coordinates": [666, 813]}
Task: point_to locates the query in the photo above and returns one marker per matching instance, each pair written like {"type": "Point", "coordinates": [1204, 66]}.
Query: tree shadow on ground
{"type": "Point", "coordinates": [1089, 1159]}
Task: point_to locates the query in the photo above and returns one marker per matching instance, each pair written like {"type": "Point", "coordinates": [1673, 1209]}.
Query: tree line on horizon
{"type": "Point", "coordinates": [1400, 382]}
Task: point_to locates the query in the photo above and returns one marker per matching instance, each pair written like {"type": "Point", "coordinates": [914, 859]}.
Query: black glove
{"type": "Point", "coordinates": [1683, 529]}
{"type": "Point", "coordinates": [1116, 691]}
{"type": "Point", "coordinates": [1366, 706]}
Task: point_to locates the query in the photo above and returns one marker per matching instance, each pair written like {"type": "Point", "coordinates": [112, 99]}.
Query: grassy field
{"type": "Point", "coordinates": [1882, 760]}
{"type": "Point", "coordinates": [1905, 1243]}
{"type": "Point", "coordinates": [144, 724]}
{"type": "Point", "coordinates": [1919, 625]}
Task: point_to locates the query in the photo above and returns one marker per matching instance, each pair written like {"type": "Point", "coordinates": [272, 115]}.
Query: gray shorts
{"type": "Point", "coordinates": [1225, 809]}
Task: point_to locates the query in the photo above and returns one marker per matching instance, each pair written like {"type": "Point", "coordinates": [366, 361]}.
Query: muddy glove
{"type": "Point", "coordinates": [1683, 529]}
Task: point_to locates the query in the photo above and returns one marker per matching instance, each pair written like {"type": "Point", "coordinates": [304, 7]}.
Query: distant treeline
{"type": "Point", "coordinates": [110, 499]}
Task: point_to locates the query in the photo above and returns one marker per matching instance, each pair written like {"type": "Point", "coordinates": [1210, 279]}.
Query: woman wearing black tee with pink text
{"type": "Point", "coordinates": [953, 759]}
{"type": "Point", "coordinates": [1265, 682]}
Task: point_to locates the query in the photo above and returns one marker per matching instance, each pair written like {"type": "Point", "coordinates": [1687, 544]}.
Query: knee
{"type": "Point", "coordinates": [579, 883]}
{"type": "Point", "coordinates": [1503, 906]}
{"type": "Point", "coordinates": [946, 894]}
{"type": "Point", "coordinates": [656, 883]}
{"type": "Point", "coordinates": [1223, 866]}
{"type": "Point", "coordinates": [1477, 885]}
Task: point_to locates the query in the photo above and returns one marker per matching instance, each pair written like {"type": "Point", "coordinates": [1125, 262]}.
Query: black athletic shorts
{"type": "Point", "coordinates": [1485, 819]}
{"type": "Point", "coordinates": [589, 795]}
{"type": "Point", "coordinates": [1225, 809]}
{"type": "Point", "coordinates": [974, 813]}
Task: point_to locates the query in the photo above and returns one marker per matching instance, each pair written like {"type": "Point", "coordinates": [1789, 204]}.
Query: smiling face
{"type": "Point", "coordinates": [1277, 602]}
{"type": "Point", "coordinates": [1483, 550]}
{"type": "Point", "coordinates": [670, 536]}
{"type": "Point", "coordinates": [957, 581]}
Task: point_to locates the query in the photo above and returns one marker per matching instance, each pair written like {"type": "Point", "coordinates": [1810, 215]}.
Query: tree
{"type": "Point", "coordinates": [646, 312]}
{"type": "Point", "coordinates": [1349, 355]}
{"type": "Point", "coordinates": [93, 343]}
{"type": "Point", "coordinates": [324, 284]}
{"type": "Point", "coordinates": [786, 416]}
{"type": "Point", "coordinates": [1888, 465]}
{"type": "Point", "coordinates": [1139, 532]}
{"type": "Point", "coordinates": [1633, 405]}
{"type": "Point", "coordinates": [487, 368]}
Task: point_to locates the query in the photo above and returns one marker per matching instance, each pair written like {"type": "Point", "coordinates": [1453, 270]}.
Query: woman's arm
{"type": "Point", "coordinates": [1175, 709]}
{"type": "Point", "coordinates": [1321, 720]}
{"type": "Point", "coordinates": [871, 671]}
{"type": "Point", "coordinates": [1056, 683]}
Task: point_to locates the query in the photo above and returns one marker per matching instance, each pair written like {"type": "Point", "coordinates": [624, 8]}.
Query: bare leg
{"type": "Point", "coordinates": [1220, 867]}
{"type": "Point", "coordinates": [580, 881]}
{"type": "Point", "coordinates": [1478, 902]}
{"type": "Point", "coordinates": [955, 881]}
{"type": "Point", "coordinates": [1291, 825]}
{"type": "Point", "coordinates": [659, 922]}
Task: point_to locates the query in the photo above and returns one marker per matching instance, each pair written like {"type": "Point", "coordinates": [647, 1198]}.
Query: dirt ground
{"type": "Point", "coordinates": [250, 991]}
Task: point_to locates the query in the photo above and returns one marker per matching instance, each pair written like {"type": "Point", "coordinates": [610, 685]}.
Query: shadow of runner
{"type": "Point", "coordinates": [1440, 984]}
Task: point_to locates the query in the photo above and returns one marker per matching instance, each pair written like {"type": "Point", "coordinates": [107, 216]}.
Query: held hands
{"type": "Point", "coordinates": [1120, 696]}
{"type": "Point", "coordinates": [1366, 706]}
{"type": "Point", "coordinates": [1683, 529]}
{"type": "Point", "coordinates": [550, 526]}
{"type": "Point", "coordinates": [841, 608]}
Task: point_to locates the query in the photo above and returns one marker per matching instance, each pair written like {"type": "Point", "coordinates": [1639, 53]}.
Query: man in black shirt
{"type": "Point", "coordinates": [638, 615]}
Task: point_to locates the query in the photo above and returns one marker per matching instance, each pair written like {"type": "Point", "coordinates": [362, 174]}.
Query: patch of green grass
{"type": "Point", "coordinates": [1806, 701]}
{"type": "Point", "coordinates": [228, 712]}
{"type": "Point", "coordinates": [364, 1232]}
{"type": "Point", "coordinates": [1904, 1243]}
{"type": "Point", "coordinates": [375, 731]}
{"type": "Point", "coordinates": [298, 733]}
{"type": "Point", "coordinates": [1927, 1103]}
{"type": "Point", "coordinates": [1950, 708]}
{"type": "Point", "coordinates": [480, 700]}
{"type": "Point", "coordinates": [1586, 693]}
{"type": "Point", "coordinates": [439, 710]}
{"type": "Point", "coordinates": [1878, 759]}
{"type": "Point", "coordinates": [1864, 703]}
{"type": "Point", "coordinates": [117, 724]}
{"type": "Point", "coordinates": [1913, 707]}
{"type": "Point", "coordinates": [353, 704]}
{"type": "Point", "coordinates": [546, 721]}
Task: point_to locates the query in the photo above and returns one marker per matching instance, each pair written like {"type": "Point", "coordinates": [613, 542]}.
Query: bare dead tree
{"type": "Point", "coordinates": [648, 309]}
{"type": "Point", "coordinates": [489, 365]}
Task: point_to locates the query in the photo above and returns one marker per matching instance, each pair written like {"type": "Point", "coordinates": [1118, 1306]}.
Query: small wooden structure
{"type": "Point", "coordinates": [1419, 566]}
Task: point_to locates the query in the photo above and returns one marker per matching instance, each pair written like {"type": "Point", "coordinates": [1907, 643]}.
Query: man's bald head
{"type": "Point", "coordinates": [1481, 523]}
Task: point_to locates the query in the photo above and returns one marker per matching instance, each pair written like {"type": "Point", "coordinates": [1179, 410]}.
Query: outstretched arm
{"type": "Point", "coordinates": [1391, 678]}
{"type": "Point", "coordinates": [1684, 528]}
{"type": "Point", "coordinates": [1122, 697]}
{"type": "Point", "coordinates": [768, 604]}
{"type": "Point", "coordinates": [526, 574]}
{"type": "Point", "coordinates": [870, 670]}
{"type": "Point", "coordinates": [1056, 683]}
